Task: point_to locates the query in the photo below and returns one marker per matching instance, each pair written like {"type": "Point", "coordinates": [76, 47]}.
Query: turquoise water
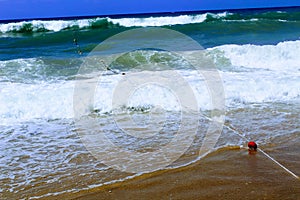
{"type": "Point", "coordinates": [55, 37]}
{"type": "Point", "coordinates": [256, 53]}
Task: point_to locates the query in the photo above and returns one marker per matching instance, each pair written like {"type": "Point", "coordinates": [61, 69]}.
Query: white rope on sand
{"type": "Point", "coordinates": [267, 155]}
{"type": "Point", "coordinates": [283, 167]}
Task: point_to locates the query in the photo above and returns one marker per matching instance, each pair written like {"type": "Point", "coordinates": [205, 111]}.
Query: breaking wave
{"type": "Point", "coordinates": [132, 21]}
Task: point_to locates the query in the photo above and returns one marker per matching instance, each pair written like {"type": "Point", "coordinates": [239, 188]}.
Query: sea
{"type": "Point", "coordinates": [90, 101]}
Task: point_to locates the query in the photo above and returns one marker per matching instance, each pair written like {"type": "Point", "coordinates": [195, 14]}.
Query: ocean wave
{"type": "Point", "coordinates": [31, 70]}
{"type": "Point", "coordinates": [251, 74]}
{"type": "Point", "coordinates": [59, 25]}
{"type": "Point", "coordinates": [283, 56]}
{"type": "Point", "coordinates": [34, 26]}
{"type": "Point", "coordinates": [160, 21]}
{"type": "Point", "coordinates": [53, 25]}
{"type": "Point", "coordinates": [26, 102]}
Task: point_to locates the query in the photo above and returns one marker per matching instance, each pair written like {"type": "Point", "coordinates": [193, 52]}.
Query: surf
{"type": "Point", "coordinates": [272, 15]}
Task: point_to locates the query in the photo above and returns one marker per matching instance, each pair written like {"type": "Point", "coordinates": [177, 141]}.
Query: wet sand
{"type": "Point", "coordinates": [229, 173]}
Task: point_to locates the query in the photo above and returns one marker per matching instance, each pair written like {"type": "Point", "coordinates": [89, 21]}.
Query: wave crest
{"type": "Point", "coordinates": [107, 22]}
{"type": "Point", "coordinates": [281, 57]}
{"type": "Point", "coordinates": [54, 25]}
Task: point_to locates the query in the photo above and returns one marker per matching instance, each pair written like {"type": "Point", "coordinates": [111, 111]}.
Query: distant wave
{"type": "Point", "coordinates": [93, 23]}
{"type": "Point", "coordinates": [53, 25]}
{"type": "Point", "coordinates": [160, 21]}
{"type": "Point", "coordinates": [59, 25]}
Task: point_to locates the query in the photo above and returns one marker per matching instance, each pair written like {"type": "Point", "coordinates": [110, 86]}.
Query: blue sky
{"type": "Point", "coordinates": [19, 9]}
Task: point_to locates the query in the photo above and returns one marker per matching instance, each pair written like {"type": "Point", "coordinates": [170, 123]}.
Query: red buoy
{"type": "Point", "coordinates": [252, 146]}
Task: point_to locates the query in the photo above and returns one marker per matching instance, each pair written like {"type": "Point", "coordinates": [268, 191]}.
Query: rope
{"type": "Point", "coordinates": [230, 127]}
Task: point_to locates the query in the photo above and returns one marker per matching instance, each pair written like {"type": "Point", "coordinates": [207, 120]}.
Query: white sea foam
{"type": "Point", "coordinates": [159, 21]}
{"type": "Point", "coordinates": [166, 20]}
{"type": "Point", "coordinates": [50, 25]}
{"type": "Point", "coordinates": [30, 70]}
{"type": "Point", "coordinates": [259, 73]}
{"type": "Point", "coordinates": [260, 87]}
{"type": "Point", "coordinates": [58, 25]}
{"type": "Point", "coordinates": [256, 74]}
{"type": "Point", "coordinates": [284, 56]}
{"type": "Point", "coordinates": [23, 102]}
{"type": "Point", "coordinates": [19, 67]}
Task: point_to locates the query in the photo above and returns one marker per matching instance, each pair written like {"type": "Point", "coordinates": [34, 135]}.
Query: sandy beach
{"type": "Point", "coordinates": [229, 173]}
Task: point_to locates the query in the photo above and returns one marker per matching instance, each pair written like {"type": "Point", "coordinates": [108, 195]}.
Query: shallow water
{"type": "Point", "coordinates": [48, 157]}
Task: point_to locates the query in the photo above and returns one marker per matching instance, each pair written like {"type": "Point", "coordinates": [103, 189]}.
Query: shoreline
{"type": "Point", "coordinates": [225, 173]}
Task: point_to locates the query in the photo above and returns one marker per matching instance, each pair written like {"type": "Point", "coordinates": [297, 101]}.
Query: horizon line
{"type": "Point", "coordinates": [153, 14]}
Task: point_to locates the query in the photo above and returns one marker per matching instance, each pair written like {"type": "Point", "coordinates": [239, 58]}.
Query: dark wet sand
{"type": "Point", "coordinates": [224, 174]}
